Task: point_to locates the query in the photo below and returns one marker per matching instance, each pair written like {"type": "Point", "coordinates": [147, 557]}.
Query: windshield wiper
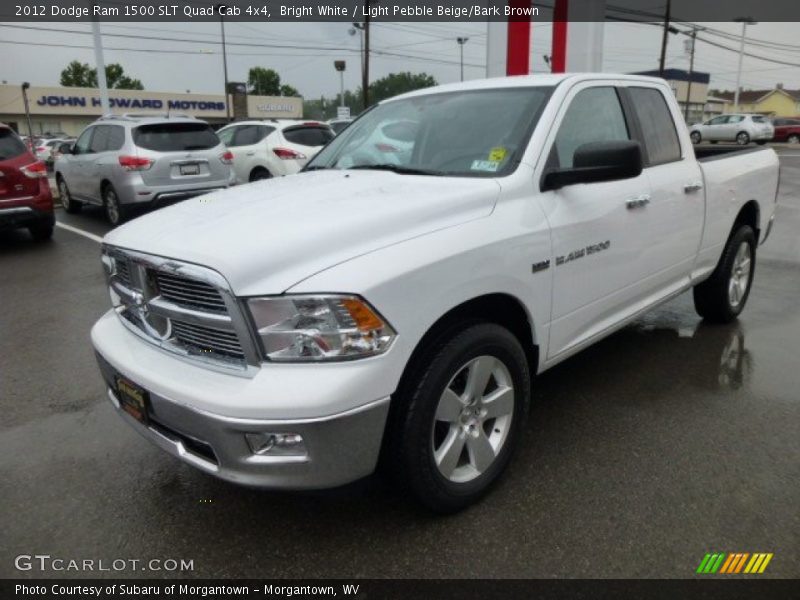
{"type": "Point", "coordinates": [398, 169]}
{"type": "Point", "coordinates": [316, 168]}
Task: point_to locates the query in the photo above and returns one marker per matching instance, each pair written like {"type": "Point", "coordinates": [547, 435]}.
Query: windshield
{"type": "Point", "coordinates": [476, 133]}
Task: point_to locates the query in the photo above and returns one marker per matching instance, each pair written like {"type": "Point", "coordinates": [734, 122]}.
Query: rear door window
{"type": "Point", "coordinates": [10, 144]}
{"type": "Point", "coordinates": [658, 126]}
{"type": "Point", "coordinates": [116, 137]}
{"type": "Point", "coordinates": [308, 135]}
{"type": "Point", "coordinates": [100, 139]}
{"type": "Point", "coordinates": [175, 137]}
{"type": "Point", "coordinates": [247, 135]}
{"type": "Point", "coordinates": [760, 120]}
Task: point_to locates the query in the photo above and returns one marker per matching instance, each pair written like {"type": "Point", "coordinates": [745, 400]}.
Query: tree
{"type": "Point", "coordinates": [267, 82]}
{"type": "Point", "coordinates": [398, 83]}
{"type": "Point", "coordinates": [287, 90]}
{"type": "Point", "coordinates": [78, 74]}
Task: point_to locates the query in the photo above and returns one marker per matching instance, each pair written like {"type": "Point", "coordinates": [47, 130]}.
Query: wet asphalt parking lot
{"type": "Point", "coordinates": [667, 440]}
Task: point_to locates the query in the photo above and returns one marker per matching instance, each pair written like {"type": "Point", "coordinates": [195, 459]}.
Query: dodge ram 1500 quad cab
{"type": "Point", "coordinates": [395, 303]}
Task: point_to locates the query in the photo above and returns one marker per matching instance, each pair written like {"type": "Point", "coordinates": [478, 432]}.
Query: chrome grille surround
{"type": "Point", "coordinates": [183, 308]}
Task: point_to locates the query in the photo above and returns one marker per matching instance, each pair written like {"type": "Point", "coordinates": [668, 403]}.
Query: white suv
{"type": "Point", "coordinates": [741, 129]}
{"type": "Point", "coordinates": [264, 149]}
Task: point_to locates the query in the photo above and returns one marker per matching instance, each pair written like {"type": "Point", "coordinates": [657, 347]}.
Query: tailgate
{"type": "Point", "coordinates": [13, 155]}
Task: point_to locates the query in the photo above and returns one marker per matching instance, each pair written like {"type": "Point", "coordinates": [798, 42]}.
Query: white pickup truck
{"type": "Point", "coordinates": [298, 332]}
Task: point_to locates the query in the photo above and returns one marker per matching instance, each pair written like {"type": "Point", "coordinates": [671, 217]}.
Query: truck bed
{"type": "Point", "coordinates": [707, 153]}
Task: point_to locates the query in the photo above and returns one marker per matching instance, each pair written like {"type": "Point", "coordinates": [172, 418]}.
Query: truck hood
{"type": "Point", "coordinates": [266, 236]}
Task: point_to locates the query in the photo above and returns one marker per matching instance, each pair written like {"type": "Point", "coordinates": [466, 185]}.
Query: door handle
{"type": "Point", "coordinates": [638, 202]}
{"type": "Point", "coordinates": [690, 188]}
{"type": "Point", "coordinates": [251, 153]}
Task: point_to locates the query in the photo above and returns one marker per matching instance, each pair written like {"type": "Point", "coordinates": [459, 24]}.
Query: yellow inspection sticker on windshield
{"type": "Point", "coordinates": [497, 154]}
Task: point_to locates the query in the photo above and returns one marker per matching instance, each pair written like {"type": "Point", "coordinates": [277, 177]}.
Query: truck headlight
{"type": "Point", "coordinates": [319, 328]}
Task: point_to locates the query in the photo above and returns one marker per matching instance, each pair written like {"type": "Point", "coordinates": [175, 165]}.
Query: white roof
{"type": "Point", "coordinates": [515, 81]}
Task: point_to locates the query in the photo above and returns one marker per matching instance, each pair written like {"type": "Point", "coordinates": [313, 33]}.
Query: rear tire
{"type": "Point", "coordinates": [743, 138]}
{"type": "Point", "coordinates": [116, 213]}
{"type": "Point", "coordinates": [722, 297]}
{"type": "Point", "coordinates": [41, 233]}
{"type": "Point", "coordinates": [259, 173]}
{"type": "Point", "coordinates": [67, 202]}
{"type": "Point", "coordinates": [761, 142]}
{"type": "Point", "coordinates": [793, 139]}
{"type": "Point", "coordinates": [696, 137]}
{"type": "Point", "coordinates": [458, 417]}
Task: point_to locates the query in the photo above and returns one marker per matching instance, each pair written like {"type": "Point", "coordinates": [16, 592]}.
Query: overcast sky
{"type": "Point", "coordinates": [169, 65]}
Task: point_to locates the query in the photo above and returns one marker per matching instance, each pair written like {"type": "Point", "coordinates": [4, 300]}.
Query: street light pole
{"type": "Point", "coordinates": [102, 83]}
{"type": "Point", "coordinates": [664, 41]}
{"type": "Point", "coordinates": [745, 21]}
{"type": "Point", "coordinates": [224, 63]}
{"type": "Point", "coordinates": [461, 41]}
{"type": "Point", "coordinates": [340, 66]}
{"type": "Point", "coordinates": [25, 86]}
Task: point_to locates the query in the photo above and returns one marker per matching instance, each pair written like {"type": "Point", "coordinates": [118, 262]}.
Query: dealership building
{"type": "Point", "coordinates": [67, 110]}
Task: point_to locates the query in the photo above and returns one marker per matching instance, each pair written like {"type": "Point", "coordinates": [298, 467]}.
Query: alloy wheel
{"type": "Point", "coordinates": [473, 419]}
{"type": "Point", "coordinates": [740, 275]}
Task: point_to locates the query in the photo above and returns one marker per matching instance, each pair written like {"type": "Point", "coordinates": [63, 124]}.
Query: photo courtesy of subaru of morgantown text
{"type": "Point", "coordinates": [316, 301]}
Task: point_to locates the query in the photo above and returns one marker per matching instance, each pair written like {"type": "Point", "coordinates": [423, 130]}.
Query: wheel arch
{"type": "Point", "coordinates": [749, 214]}
{"type": "Point", "coordinates": [256, 169]}
{"type": "Point", "coordinates": [500, 308]}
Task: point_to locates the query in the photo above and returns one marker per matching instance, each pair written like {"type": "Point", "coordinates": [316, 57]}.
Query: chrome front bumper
{"type": "Point", "coordinates": [339, 448]}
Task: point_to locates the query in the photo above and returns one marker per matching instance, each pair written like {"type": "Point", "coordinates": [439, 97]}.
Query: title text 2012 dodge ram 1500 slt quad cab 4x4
{"type": "Point", "coordinates": [292, 332]}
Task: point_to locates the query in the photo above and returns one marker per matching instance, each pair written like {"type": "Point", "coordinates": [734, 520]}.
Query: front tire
{"type": "Point", "coordinates": [67, 202]}
{"type": "Point", "coordinates": [793, 139]}
{"type": "Point", "coordinates": [116, 213]}
{"type": "Point", "coordinates": [459, 417]}
{"type": "Point", "coordinates": [722, 297]}
{"type": "Point", "coordinates": [696, 137]}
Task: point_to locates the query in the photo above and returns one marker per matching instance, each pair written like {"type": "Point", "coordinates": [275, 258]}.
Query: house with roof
{"type": "Point", "coordinates": [778, 102]}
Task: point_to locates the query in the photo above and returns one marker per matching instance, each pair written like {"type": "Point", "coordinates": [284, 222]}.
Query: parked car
{"type": "Point", "coordinates": [786, 130]}
{"type": "Point", "coordinates": [339, 125]}
{"type": "Point", "coordinates": [123, 162]}
{"type": "Point", "coordinates": [25, 198]}
{"type": "Point", "coordinates": [264, 149]}
{"type": "Point", "coordinates": [740, 128]}
{"type": "Point", "coordinates": [63, 146]}
{"type": "Point", "coordinates": [402, 310]}
{"type": "Point", "coordinates": [392, 143]}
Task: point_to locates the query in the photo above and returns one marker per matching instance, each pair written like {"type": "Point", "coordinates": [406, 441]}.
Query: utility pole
{"type": "Point", "coordinates": [693, 35]}
{"type": "Point", "coordinates": [461, 41]}
{"type": "Point", "coordinates": [745, 21]}
{"type": "Point", "coordinates": [365, 75]}
{"type": "Point", "coordinates": [664, 40]}
{"type": "Point", "coordinates": [101, 67]}
{"type": "Point", "coordinates": [224, 62]}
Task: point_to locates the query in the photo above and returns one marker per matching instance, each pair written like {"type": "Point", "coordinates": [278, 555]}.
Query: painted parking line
{"type": "Point", "coordinates": [86, 234]}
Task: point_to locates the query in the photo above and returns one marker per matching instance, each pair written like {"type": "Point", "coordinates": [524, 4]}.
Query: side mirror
{"type": "Point", "coordinates": [598, 161]}
{"type": "Point", "coordinates": [65, 148]}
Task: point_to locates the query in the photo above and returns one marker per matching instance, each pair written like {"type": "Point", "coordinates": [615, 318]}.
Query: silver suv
{"type": "Point", "coordinates": [122, 162]}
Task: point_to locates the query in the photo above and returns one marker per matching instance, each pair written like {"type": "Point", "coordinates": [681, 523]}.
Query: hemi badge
{"type": "Point", "coordinates": [540, 266]}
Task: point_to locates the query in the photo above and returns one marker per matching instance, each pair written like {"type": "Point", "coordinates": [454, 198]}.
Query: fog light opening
{"type": "Point", "coordinates": [276, 444]}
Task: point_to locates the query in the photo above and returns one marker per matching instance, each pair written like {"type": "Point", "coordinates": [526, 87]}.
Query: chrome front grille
{"type": "Point", "coordinates": [123, 269]}
{"type": "Point", "coordinates": [207, 340]}
{"type": "Point", "coordinates": [183, 308]}
{"type": "Point", "coordinates": [187, 292]}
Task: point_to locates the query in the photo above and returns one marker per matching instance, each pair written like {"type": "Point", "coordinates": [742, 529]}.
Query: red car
{"type": "Point", "coordinates": [787, 130]}
{"type": "Point", "coordinates": [25, 197]}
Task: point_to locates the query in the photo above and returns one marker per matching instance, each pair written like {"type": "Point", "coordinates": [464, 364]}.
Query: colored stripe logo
{"type": "Point", "coordinates": [732, 563]}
